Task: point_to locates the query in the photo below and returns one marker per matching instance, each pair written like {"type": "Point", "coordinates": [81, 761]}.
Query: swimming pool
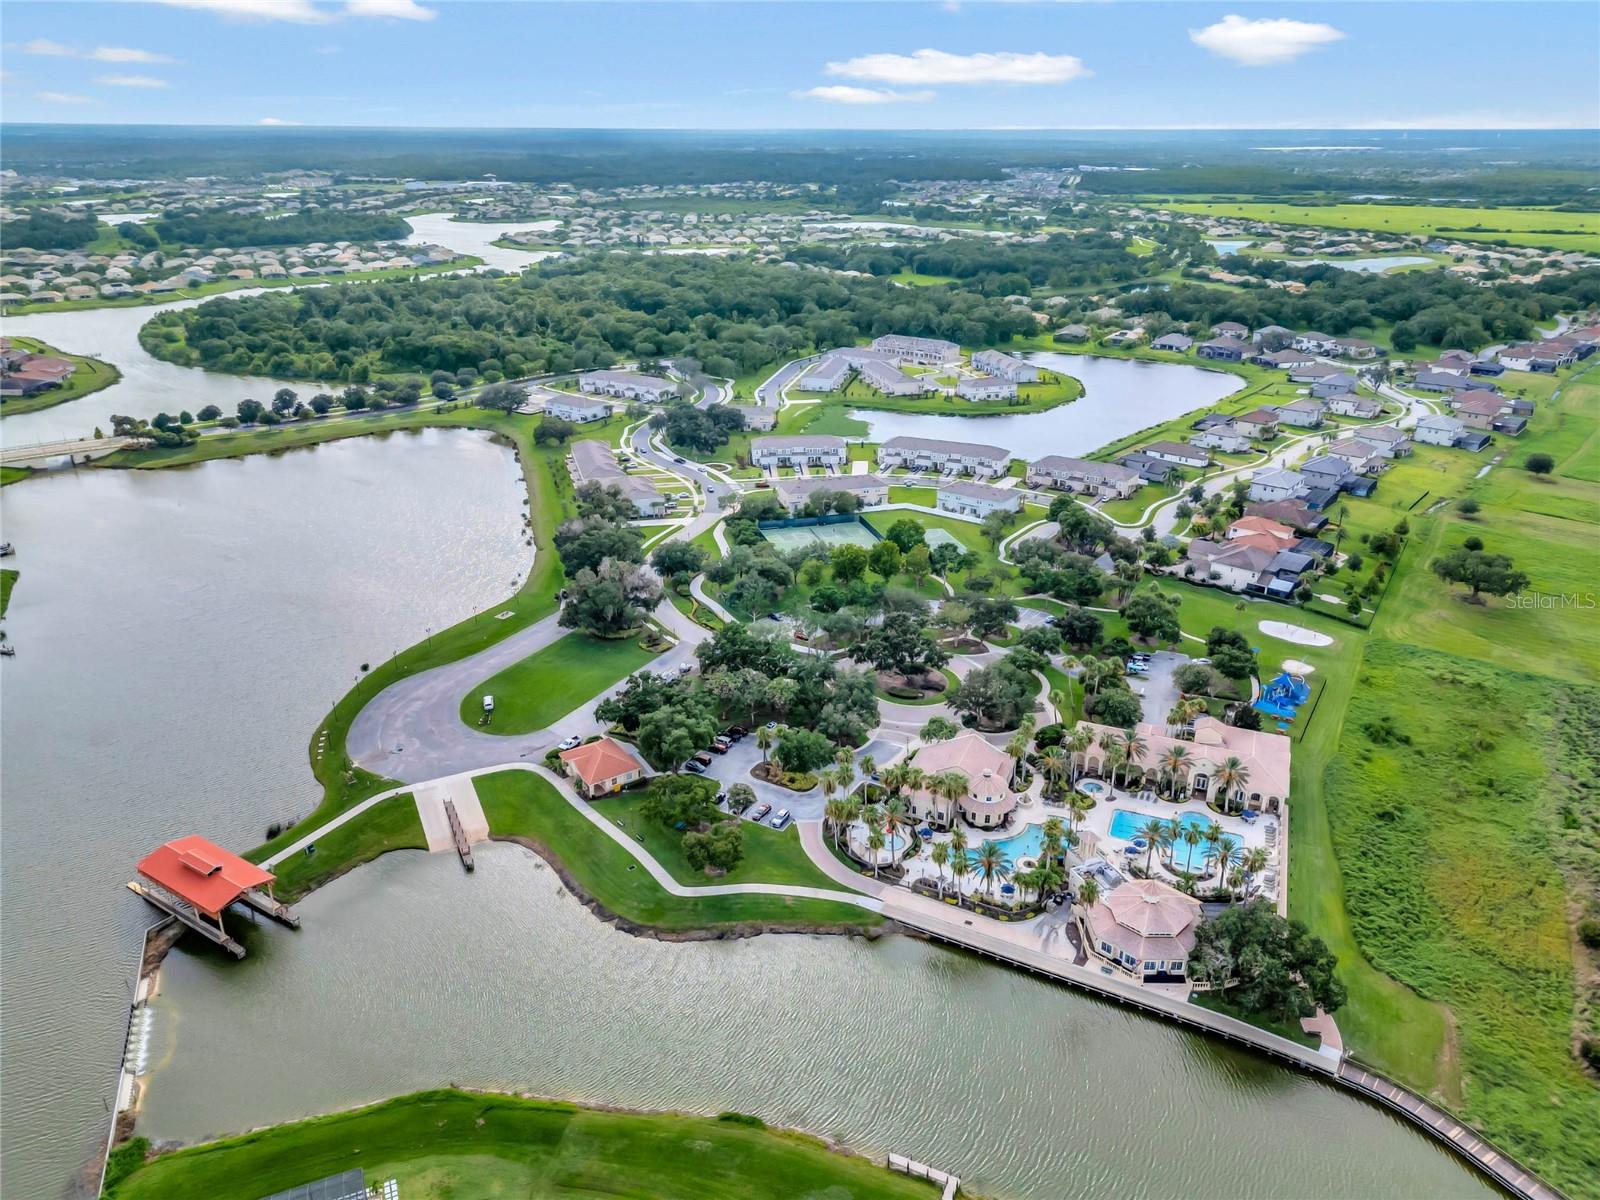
{"type": "Point", "coordinates": [1125, 825]}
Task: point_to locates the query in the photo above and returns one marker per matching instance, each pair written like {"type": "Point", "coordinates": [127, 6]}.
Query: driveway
{"type": "Point", "coordinates": [412, 730]}
{"type": "Point", "coordinates": [1160, 691]}
{"type": "Point", "coordinates": [734, 767]}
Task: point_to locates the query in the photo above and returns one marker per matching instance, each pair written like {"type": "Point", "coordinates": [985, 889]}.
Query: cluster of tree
{"type": "Point", "coordinates": [687, 803]}
{"type": "Point", "coordinates": [702, 429]}
{"type": "Point", "coordinates": [733, 315]}
{"type": "Point", "coordinates": [611, 589]}
{"type": "Point", "coordinates": [998, 268]}
{"type": "Point", "coordinates": [669, 719]}
{"type": "Point", "coordinates": [215, 227]}
{"type": "Point", "coordinates": [998, 696]}
{"type": "Point", "coordinates": [164, 430]}
{"type": "Point", "coordinates": [51, 231]}
{"type": "Point", "coordinates": [1266, 964]}
{"type": "Point", "coordinates": [1425, 307]}
{"type": "Point", "coordinates": [1476, 569]}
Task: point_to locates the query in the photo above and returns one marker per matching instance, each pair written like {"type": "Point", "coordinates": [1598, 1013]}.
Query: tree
{"type": "Point", "coordinates": [906, 534]}
{"type": "Point", "coordinates": [997, 695]}
{"type": "Point", "coordinates": [501, 397]}
{"type": "Point", "coordinates": [1540, 464]}
{"type": "Point", "coordinates": [995, 525]}
{"type": "Point", "coordinates": [210, 413]}
{"type": "Point", "coordinates": [1492, 573]}
{"type": "Point", "coordinates": [1467, 506]}
{"type": "Point", "coordinates": [721, 848]}
{"type": "Point", "coordinates": [1080, 628]}
{"type": "Point", "coordinates": [917, 565]}
{"type": "Point", "coordinates": [249, 411]}
{"type": "Point", "coordinates": [1150, 617]}
{"type": "Point", "coordinates": [678, 561]}
{"type": "Point", "coordinates": [899, 644]}
{"type": "Point", "coordinates": [553, 429]}
{"type": "Point", "coordinates": [989, 615]}
{"type": "Point", "coordinates": [803, 750]}
{"type": "Point", "coordinates": [673, 732]}
{"type": "Point", "coordinates": [938, 729]}
{"type": "Point", "coordinates": [680, 800]}
{"type": "Point", "coordinates": [1115, 706]}
{"type": "Point", "coordinates": [1193, 678]}
{"type": "Point", "coordinates": [1265, 964]}
{"type": "Point", "coordinates": [885, 559]}
{"type": "Point", "coordinates": [284, 400]}
{"type": "Point", "coordinates": [1234, 663]}
{"type": "Point", "coordinates": [610, 600]}
{"type": "Point", "coordinates": [848, 562]}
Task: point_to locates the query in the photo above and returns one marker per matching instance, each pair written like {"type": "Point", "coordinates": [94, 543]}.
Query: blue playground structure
{"type": "Point", "coordinates": [1281, 697]}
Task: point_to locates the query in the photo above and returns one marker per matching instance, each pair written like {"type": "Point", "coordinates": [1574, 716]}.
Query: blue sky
{"type": "Point", "coordinates": [904, 65]}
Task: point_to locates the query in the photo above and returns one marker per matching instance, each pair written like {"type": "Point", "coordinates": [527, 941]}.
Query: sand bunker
{"type": "Point", "coordinates": [1298, 634]}
{"type": "Point", "coordinates": [1295, 667]}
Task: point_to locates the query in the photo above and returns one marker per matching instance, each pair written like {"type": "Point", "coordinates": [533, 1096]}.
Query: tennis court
{"type": "Point", "coordinates": [852, 533]}
{"type": "Point", "coordinates": [941, 537]}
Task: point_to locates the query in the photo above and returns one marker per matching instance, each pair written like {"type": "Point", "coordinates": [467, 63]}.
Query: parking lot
{"type": "Point", "coordinates": [734, 767]}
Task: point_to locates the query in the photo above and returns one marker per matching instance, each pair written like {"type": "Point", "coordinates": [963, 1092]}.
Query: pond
{"type": "Point", "coordinates": [1121, 397]}
{"type": "Point", "coordinates": [1226, 246]}
{"type": "Point", "coordinates": [179, 635]}
{"type": "Point", "coordinates": [1373, 265]}
{"type": "Point", "coordinates": [409, 973]}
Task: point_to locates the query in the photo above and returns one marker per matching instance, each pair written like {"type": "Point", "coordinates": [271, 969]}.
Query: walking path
{"type": "Point", "coordinates": [430, 799]}
{"type": "Point", "coordinates": [697, 589]}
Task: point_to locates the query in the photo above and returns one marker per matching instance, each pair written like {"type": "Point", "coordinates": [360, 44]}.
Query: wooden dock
{"type": "Point", "coordinates": [902, 1165]}
{"type": "Point", "coordinates": [268, 907]}
{"type": "Point", "coordinates": [458, 834]}
{"type": "Point", "coordinates": [188, 914]}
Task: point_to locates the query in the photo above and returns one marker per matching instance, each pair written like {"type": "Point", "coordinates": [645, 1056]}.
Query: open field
{"type": "Point", "coordinates": [89, 375]}
{"type": "Point", "coordinates": [391, 824]}
{"type": "Point", "coordinates": [8, 580]}
{"type": "Point", "coordinates": [1517, 226]}
{"type": "Point", "coordinates": [521, 806]}
{"type": "Point", "coordinates": [450, 1144]}
{"type": "Point", "coordinates": [550, 683]}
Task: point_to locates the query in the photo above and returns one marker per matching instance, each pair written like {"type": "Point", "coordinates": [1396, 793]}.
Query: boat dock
{"type": "Point", "coordinates": [173, 906]}
{"type": "Point", "coordinates": [902, 1165]}
{"type": "Point", "coordinates": [458, 834]}
{"type": "Point", "coordinates": [196, 881]}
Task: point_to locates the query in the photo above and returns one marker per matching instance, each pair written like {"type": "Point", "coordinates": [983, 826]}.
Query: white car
{"type": "Point", "coordinates": [570, 743]}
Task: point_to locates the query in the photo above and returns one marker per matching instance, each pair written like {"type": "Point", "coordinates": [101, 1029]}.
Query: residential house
{"type": "Point", "coordinates": [1531, 356]}
{"type": "Point", "coordinates": [1221, 437]}
{"type": "Point", "coordinates": [627, 385]}
{"type": "Point", "coordinates": [985, 387]}
{"type": "Point", "coordinates": [1150, 468]}
{"type": "Point", "coordinates": [1362, 457]}
{"type": "Point", "coordinates": [1178, 453]}
{"type": "Point", "coordinates": [1222, 349]}
{"type": "Point", "coordinates": [1277, 484]}
{"type": "Point", "coordinates": [1178, 342]}
{"type": "Point", "coordinates": [1289, 512]}
{"type": "Point", "coordinates": [869, 490]}
{"type": "Point", "coordinates": [809, 450]}
{"type": "Point", "coordinates": [977, 499]}
{"type": "Point", "coordinates": [601, 767]}
{"type": "Point", "coordinates": [592, 461]}
{"type": "Point", "coordinates": [1143, 929]}
{"type": "Point", "coordinates": [1348, 404]}
{"type": "Point", "coordinates": [1263, 533]}
{"type": "Point", "coordinates": [1315, 343]}
{"type": "Point", "coordinates": [759, 417]}
{"type": "Point", "coordinates": [988, 802]}
{"type": "Point", "coordinates": [1440, 381]}
{"type": "Point", "coordinates": [1004, 366]}
{"type": "Point", "coordinates": [890, 380]}
{"type": "Point", "coordinates": [1260, 422]}
{"type": "Point", "coordinates": [1083, 475]}
{"type": "Point", "coordinates": [951, 458]}
{"type": "Point", "coordinates": [828, 374]}
{"type": "Point", "coordinates": [1283, 359]}
{"type": "Point", "coordinates": [1349, 347]}
{"type": "Point", "coordinates": [1229, 329]}
{"type": "Point", "coordinates": [1303, 414]}
{"type": "Point", "coordinates": [1438, 430]}
{"type": "Point", "coordinates": [578, 409]}
{"type": "Point", "coordinates": [1313, 372]}
{"type": "Point", "coordinates": [926, 351]}
{"type": "Point", "coordinates": [1273, 337]}
{"type": "Point", "coordinates": [1125, 337]}
{"type": "Point", "coordinates": [1389, 441]}
{"type": "Point", "coordinates": [1333, 385]}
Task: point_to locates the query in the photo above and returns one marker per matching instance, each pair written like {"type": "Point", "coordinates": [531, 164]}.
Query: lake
{"type": "Point", "coordinates": [1373, 265]}
{"type": "Point", "coordinates": [179, 634]}
{"type": "Point", "coordinates": [1121, 396]}
{"type": "Point", "coordinates": [409, 974]}
{"type": "Point", "coordinates": [1226, 246]}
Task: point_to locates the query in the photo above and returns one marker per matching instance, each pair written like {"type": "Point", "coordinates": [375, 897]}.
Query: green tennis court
{"type": "Point", "coordinates": [941, 537]}
{"type": "Point", "coordinates": [853, 533]}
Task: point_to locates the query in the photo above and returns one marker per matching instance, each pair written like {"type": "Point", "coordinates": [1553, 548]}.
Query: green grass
{"type": "Point", "coordinates": [391, 824]}
{"type": "Point", "coordinates": [1284, 1029]}
{"type": "Point", "coordinates": [1517, 226]}
{"type": "Point", "coordinates": [89, 375]}
{"type": "Point", "coordinates": [8, 580]}
{"type": "Point", "coordinates": [916, 279]}
{"type": "Point", "coordinates": [218, 286]}
{"type": "Point", "coordinates": [14, 474]}
{"type": "Point", "coordinates": [770, 855]}
{"type": "Point", "coordinates": [446, 1145]}
{"type": "Point", "coordinates": [522, 805]}
{"type": "Point", "coordinates": [551, 682]}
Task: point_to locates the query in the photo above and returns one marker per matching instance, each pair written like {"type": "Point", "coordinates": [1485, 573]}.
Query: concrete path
{"type": "Point", "coordinates": [430, 798]}
{"type": "Point", "coordinates": [412, 730]}
{"type": "Point", "coordinates": [697, 589]}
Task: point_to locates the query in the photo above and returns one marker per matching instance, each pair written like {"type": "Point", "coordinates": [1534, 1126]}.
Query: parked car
{"type": "Point", "coordinates": [780, 818]}
{"type": "Point", "coordinates": [701, 757]}
{"type": "Point", "coordinates": [488, 706]}
{"type": "Point", "coordinates": [760, 811]}
{"type": "Point", "coordinates": [678, 460]}
{"type": "Point", "coordinates": [734, 732]}
{"type": "Point", "coordinates": [570, 743]}
{"type": "Point", "coordinates": [718, 746]}
{"type": "Point", "coordinates": [693, 765]}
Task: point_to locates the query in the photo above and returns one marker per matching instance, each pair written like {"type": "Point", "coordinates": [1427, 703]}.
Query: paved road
{"type": "Point", "coordinates": [412, 730]}
{"type": "Point", "coordinates": [1160, 693]}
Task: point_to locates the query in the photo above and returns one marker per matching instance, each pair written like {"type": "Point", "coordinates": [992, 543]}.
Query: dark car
{"type": "Point", "coordinates": [734, 732]}
{"type": "Point", "coordinates": [760, 811]}
{"type": "Point", "coordinates": [701, 757]}
{"type": "Point", "coordinates": [692, 765]}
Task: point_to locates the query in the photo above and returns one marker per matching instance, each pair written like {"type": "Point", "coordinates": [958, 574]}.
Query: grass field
{"type": "Point", "coordinates": [391, 824]}
{"type": "Point", "coordinates": [88, 375]}
{"type": "Point", "coordinates": [1517, 226]}
{"type": "Point", "coordinates": [8, 580]}
{"type": "Point", "coordinates": [451, 1145]}
{"type": "Point", "coordinates": [550, 683]}
{"type": "Point", "coordinates": [522, 805]}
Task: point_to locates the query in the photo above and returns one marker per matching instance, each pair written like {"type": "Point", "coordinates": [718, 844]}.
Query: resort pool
{"type": "Point", "coordinates": [1026, 844]}
{"type": "Point", "coordinates": [1092, 787]}
{"type": "Point", "coordinates": [1125, 825]}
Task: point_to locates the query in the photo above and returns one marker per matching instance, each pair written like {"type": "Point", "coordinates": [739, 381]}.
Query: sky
{"type": "Point", "coordinates": [910, 64]}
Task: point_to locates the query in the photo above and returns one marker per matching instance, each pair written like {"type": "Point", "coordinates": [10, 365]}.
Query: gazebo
{"type": "Point", "coordinates": [195, 880]}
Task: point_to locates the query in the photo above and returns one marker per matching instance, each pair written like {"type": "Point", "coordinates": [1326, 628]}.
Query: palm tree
{"type": "Point", "coordinates": [951, 786]}
{"type": "Point", "coordinates": [1050, 763]}
{"type": "Point", "coordinates": [958, 838]}
{"type": "Point", "coordinates": [868, 766]}
{"type": "Point", "coordinates": [960, 864]}
{"type": "Point", "coordinates": [875, 842]}
{"type": "Point", "coordinates": [1191, 837]}
{"type": "Point", "coordinates": [1133, 748]}
{"type": "Point", "coordinates": [1231, 776]}
{"type": "Point", "coordinates": [1174, 760]}
{"type": "Point", "coordinates": [992, 865]}
{"type": "Point", "coordinates": [940, 854]}
{"type": "Point", "coordinates": [895, 816]}
{"type": "Point", "coordinates": [837, 814]}
{"type": "Point", "coordinates": [1078, 806]}
{"type": "Point", "coordinates": [1088, 892]}
{"type": "Point", "coordinates": [1048, 876]}
{"type": "Point", "coordinates": [1116, 756]}
{"type": "Point", "coordinates": [1153, 831]}
{"type": "Point", "coordinates": [1078, 741]}
{"type": "Point", "coordinates": [1053, 832]}
{"type": "Point", "coordinates": [765, 738]}
{"type": "Point", "coordinates": [1255, 861]}
{"type": "Point", "coordinates": [830, 785]}
{"type": "Point", "coordinates": [1226, 850]}
{"type": "Point", "coordinates": [1017, 750]}
{"type": "Point", "coordinates": [1058, 702]}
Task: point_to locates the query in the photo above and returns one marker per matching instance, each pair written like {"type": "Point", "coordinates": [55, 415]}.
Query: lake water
{"type": "Point", "coordinates": [1225, 246]}
{"type": "Point", "coordinates": [500, 979]}
{"type": "Point", "coordinates": [476, 238]}
{"type": "Point", "coordinates": [1121, 396]}
{"type": "Point", "coordinates": [1374, 265]}
{"type": "Point", "coordinates": [179, 635]}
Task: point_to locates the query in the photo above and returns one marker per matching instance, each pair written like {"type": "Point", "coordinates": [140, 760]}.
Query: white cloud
{"type": "Point", "coordinates": [842, 94]}
{"type": "Point", "coordinates": [937, 66]}
{"type": "Point", "coordinates": [48, 49]}
{"type": "Point", "coordinates": [1265, 42]}
{"type": "Point", "coordinates": [126, 54]}
{"type": "Point", "coordinates": [62, 98]}
{"type": "Point", "coordinates": [275, 121]}
{"type": "Point", "coordinates": [300, 12]}
{"type": "Point", "coordinates": [133, 81]}
{"type": "Point", "coordinates": [401, 10]}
